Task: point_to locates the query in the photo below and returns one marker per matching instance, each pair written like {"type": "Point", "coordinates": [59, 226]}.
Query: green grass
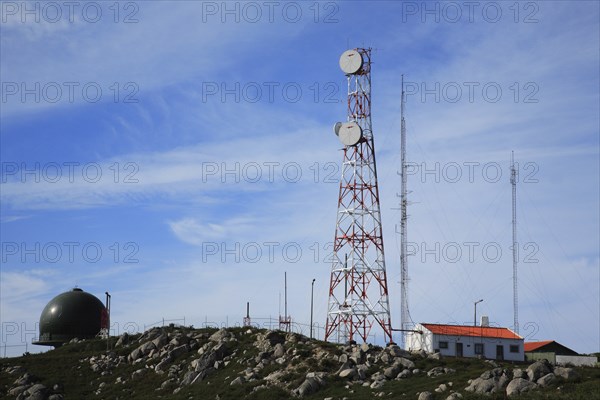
{"type": "Point", "coordinates": [63, 366]}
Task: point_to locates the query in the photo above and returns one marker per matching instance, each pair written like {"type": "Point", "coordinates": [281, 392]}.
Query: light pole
{"type": "Point", "coordinates": [475, 317]}
{"type": "Point", "coordinates": [312, 291]}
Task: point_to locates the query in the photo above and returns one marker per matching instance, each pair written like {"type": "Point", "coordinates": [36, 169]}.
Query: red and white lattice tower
{"type": "Point", "coordinates": [358, 291]}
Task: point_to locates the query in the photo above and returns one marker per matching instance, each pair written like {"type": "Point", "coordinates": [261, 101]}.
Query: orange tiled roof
{"type": "Point", "coordinates": [479, 331]}
{"type": "Point", "coordinates": [531, 346]}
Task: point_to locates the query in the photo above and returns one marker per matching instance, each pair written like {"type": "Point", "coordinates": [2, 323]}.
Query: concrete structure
{"type": "Point", "coordinates": [467, 341]}
{"type": "Point", "coordinates": [556, 353]}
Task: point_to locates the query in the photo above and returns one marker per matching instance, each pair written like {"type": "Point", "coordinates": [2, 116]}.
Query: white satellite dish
{"type": "Point", "coordinates": [351, 61]}
{"type": "Point", "coordinates": [336, 128]}
{"type": "Point", "coordinates": [350, 133]}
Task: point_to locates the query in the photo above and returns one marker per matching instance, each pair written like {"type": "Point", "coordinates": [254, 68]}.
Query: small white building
{"type": "Point", "coordinates": [467, 341]}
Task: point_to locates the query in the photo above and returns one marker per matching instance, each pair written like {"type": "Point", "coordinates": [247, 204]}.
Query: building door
{"type": "Point", "coordinates": [499, 352]}
{"type": "Point", "coordinates": [459, 349]}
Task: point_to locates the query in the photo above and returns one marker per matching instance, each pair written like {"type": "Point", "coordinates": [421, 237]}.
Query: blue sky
{"type": "Point", "coordinates": [185, 129]}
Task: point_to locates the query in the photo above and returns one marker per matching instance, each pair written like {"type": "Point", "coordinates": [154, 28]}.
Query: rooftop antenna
{"type": "Point", "coordinates": [513, 181]}
{"type": "Point", "coordinates": [285, 322]}
{"type": "Point", "coordinates": [404, 311]}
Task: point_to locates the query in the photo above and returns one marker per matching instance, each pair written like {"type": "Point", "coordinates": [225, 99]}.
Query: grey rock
{"type": "Point", "coordinates": [437, 371]}
{"type": "Point", "coordinates": [138, 374]}
{"type": "Point", "coordinates": [237, 381]}
{"type": "Point", "coordinates": [519, 373]}
{"type": "Point", "coordinates": [177, 351]}
{"type": "Point", "coordinates": [348, 373]}
{"type": "Point", "coordinates": [391, 372]}
{"type": "Point", "coordinates": [56, 396]}
{"type": "Point", "coordinates": [220, 335]}
{"type": "Point", "coordinates": [442, 388]}
{"type": "Point", "coordinates": [16, 391]}
{"type": "Point", "coordinates": [163, 365]}
{"type": "Point", "coordinates": [405, 362]}
{"type": "Point", "coordinates": [481, 386]}
{"type": "Point", "coordinates": [312, 384]}
{"type": "Point", "coordinates": [25, 379]}
{"type": "Point", "coordinates": [568, 374]}
{"type": "Point", "coordinates": [396, 351]}
{"type": "Point", "coordinates": [358, 356]}
{"type": "Point", "coordinates": [425, 396]}
{"type": "Point", "coordinates": [160, 341]}
{"type": "Point", "coordinates": [434, 356]}
{"type": "Point", "coordinates": [538, 369]}
{"type": "Point", "coordinates": [123, 340]}
{"type": "Point", "coordinates": [37, 388]}
{"type": "Point", "coordinates": [279, 350]}
{"type": "Point", "coordinates": [274, 337]}
{"type": "Point", "coordinates": [189, 377]}
{"type": "Point", "coordinates": [386, 358]}
{"type": "Point", "coordinates": [378, 384]}
{"type": "Point", "coordinates": [169, 384]}
{"type": "Point", "coordinates": [404, 374]}
{"type": "Point", "coordinates": [546, 380]}
{"type": "Point", "coordinates": [518, 386]}
{"type": "Point", "coordinates": [454, 396]}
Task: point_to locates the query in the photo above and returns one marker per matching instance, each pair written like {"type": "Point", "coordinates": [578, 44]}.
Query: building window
{"type": "Point", "coordinates": [443, 345]}
{"type": "Point", "coordinates": [478, 348]}
{"type": "Point", "coordinates": [514, 348]}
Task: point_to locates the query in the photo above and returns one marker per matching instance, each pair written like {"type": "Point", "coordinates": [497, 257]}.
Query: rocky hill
{"type": "Point", "coordinates": [248, 363]}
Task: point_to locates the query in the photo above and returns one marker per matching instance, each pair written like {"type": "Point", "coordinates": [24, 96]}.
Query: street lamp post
{"type": "Point", "coordinates": [475, 317]}
{"type": "Point", "coordinates": [312, 291]}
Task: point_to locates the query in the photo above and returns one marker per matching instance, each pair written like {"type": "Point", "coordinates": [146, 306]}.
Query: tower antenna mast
{"type": "Point", "coordinates": [404, 312]}
{"type": "Point", "coordinates": [358, 291]}
{"type": "Point", "coordinates": [513, 181]}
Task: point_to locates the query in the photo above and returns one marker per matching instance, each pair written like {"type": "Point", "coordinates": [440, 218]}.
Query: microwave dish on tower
{"type": "Point", "coordinates": [351, 61]}
{"type": "Point", "coordinates": [336, 128]}
{"type": "Point", "coordinates": [350, 133]}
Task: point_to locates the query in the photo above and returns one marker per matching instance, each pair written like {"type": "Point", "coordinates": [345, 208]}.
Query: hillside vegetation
{"type": "Point", "coordinates": [249, 363]}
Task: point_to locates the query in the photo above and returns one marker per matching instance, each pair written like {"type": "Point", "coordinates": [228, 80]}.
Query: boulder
{"type": "Point", "coordinates": [481, 386]}
{"type": "Point", "coordinates": [425, 396]}
{"type": "Point", "coordinates": [405, 362]}
{"type": "Point", "coordinates": [546, 380]}
{"type": "Point", "coordinates": [518, 386]}
{"type": "Point", "coordinates": [538, 369]}
{"type": "Point", "coordinates": [348, 373]}
{"type": "Point", "coordinates": [377, 384]}
{"type": "Point", "coordinates": [568, 374]}
{"type": "Point", "coordinates": [123, 340]}
{"type": "Point", "coordinates": [519, 373]}
{"type": "Point", "coordinates": [279, 350]}
{"type": "Point", "coordinates": [237, 381]}
{"type": "Point", "coordinates": [391, 372]}
{"type": "Point", "coordinates": [220, 335]}
{"type": "Point", "coordinates": [404, 374]}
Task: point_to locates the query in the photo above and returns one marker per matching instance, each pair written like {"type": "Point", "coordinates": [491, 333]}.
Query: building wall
{"type": "Point", "coordinates": [534, 356]}
{"type": "Point", "coordinates": [579, 361]}
{"type": "Point", "coordinates": [431, 343]}
{"type": "Point", "coordinates": [417, 341]}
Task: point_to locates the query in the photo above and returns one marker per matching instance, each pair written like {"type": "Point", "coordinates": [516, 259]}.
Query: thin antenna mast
{"type": "Point", "coordinates": [285, 321]}
{"type": "Point", "coordinates": [404, 313]}
{"type": "Point", "coordinates": [513, 181]}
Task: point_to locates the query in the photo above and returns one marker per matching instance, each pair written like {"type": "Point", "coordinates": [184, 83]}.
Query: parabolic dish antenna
{"type": "Point", "coordinates": [351, 61]}
{"type": "Point", "coordinates": [336, 128]}
{"type": "Point", "coordinates": [350, 133]}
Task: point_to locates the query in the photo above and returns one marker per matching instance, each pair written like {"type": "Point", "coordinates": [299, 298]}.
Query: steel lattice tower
{"type": "Point", "coordinates": [358, 292]}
